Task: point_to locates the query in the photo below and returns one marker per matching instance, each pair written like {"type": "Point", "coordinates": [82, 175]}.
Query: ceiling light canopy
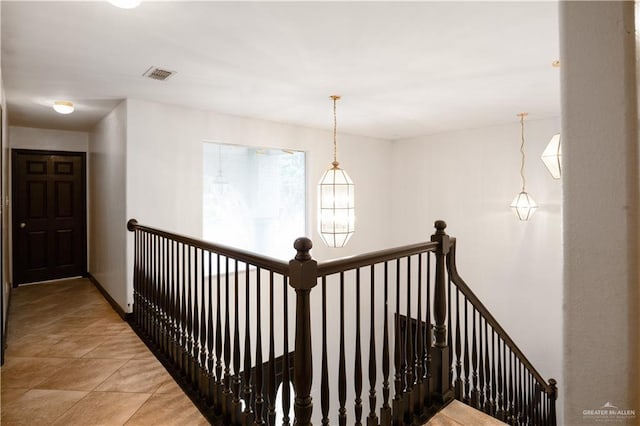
{"type": "Point", "coordinates": [63, 107]}
{"type": "Point", "coordinates": [126, 4]}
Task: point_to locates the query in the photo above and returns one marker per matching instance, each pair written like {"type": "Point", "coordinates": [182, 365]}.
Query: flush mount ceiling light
{"type": "Point", "coordinates": [523, 205]}
{"type": "Point", "coordinates": [336, 200]}
{"type": "Point", "coordinates": [552, 156]}
{"type": "Point", "coordinates": [63, 107]}
{"type": "Point", "coordinates": [126, 4]}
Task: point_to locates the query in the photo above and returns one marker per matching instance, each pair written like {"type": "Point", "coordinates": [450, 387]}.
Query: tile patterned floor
{"type": "Point", "coordinates": [71, 360]}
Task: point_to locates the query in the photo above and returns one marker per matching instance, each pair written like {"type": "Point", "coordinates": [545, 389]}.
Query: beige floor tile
{"type": "Point", "coordinates": [137, 376]}
{"type": "Point", "coordinates": [39, 407]}
{"type": "Point", "coordinates": [442, 420]}
{"type": "Point", "coordinates": [11, 394]}
{"type": "Point", "coordinates": [82, 374]}
{"type": "Point", "coordinates": [27, 372]}
{"type": "Point", "coordinates": [167, 410]}
{"type": "Point", "coordinates": [103, 327]}
{"type": "Point", "coordinates": [64, 326]}
{"type": "Point", "coordinates": [64, 342]}
{"type": "Point", "coordinates": [75, 346]}
{"type": "Point", "coordinates": [467, 415]}
{"type": "Point", "coordinates": [145, 356]}
{"type": "Point", "coordinates": [31, 345]}
{"type": "Point", "coordinates": [170, 387]}
{"type": "Point", "coordinates": [120, 346]}
{"type": "Point", "coordinates": [103, 408]}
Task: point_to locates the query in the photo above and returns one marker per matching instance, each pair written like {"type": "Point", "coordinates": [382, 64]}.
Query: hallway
{"type": "Point", "coordinates": [71, 360]}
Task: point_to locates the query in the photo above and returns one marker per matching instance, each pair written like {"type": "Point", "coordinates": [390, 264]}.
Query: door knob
{"type": "Point", "coordinates": [23, 225]}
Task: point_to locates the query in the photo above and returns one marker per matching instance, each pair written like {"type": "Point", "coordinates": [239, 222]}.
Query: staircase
{"type": "Point", "coordinates": [221, 319]}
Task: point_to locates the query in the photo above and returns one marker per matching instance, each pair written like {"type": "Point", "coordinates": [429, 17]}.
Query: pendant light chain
{"type": "Point", "coordinates": [522, 115]}
{"type": "Point", "coordinates": [335, 127]}
{"type": "Point", "coordinates": [523, 205]}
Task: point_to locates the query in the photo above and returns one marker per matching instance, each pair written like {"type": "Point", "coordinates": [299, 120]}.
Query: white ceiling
{"type": "Point", "coordinates": [403, 69]}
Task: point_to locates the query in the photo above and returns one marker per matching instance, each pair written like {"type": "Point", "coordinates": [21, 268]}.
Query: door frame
{"type": "Point", "coordinates": [14, 184]}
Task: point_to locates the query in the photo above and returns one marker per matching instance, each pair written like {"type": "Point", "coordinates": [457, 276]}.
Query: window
{"type": "Point", "coordinates": [254, 198]}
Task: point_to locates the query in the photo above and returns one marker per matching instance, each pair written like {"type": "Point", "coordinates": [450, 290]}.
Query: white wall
{"type": "Point", "coordinates": [48, 139]}
{"type": "Point", "coordinates": [601, 232]}
{"type": "Point", "coordinates": [468, 178]}
{"type": "Point", "coordinates": [164, 170]}
{"type": "Point", "coordinates": [107, 202]}
{"type": "Point", "coordinates": [5, 249]}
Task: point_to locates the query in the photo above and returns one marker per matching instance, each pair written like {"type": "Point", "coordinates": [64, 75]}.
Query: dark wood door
{"type": "Point", "coordinates": [49, 215]}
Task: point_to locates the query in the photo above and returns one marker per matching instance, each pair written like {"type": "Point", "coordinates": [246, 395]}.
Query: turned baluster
{"type": "Point", "coordinates": [324, 385]}
{"type": "Point", "coordinates": [372, 419]}
{"type": "Point", "coordinates": [385, 413]}
{"type": "Point", "coordinates": [357, 367]}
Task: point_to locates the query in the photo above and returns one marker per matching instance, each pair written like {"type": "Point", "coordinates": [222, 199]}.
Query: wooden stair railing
{"type": "Point", "coordinates": [490, 372]}
{"type": "Point", "coordinates": [202, 308]}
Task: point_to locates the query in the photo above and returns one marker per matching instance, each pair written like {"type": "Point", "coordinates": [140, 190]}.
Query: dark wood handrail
{"type": "Point", "coordinates": [276, 265]}
{"type": "Point", "coordinates": [248, 257]}
{"type": "Point", "coordinates": [484, 312]}
{"type": "Point", "coordinates": [352, 262]}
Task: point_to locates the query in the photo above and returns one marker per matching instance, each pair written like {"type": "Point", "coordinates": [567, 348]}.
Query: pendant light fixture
{"type": "Point", "coordinates": [336, 201]}
{"type": "Point", "coordinates": [220, 184]}
{"type": "Point", "coordinates": [552, 156]}
{"type": "Point", "coordinates": [523, 205]}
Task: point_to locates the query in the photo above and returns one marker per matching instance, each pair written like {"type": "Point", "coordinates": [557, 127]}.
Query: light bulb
{"type": "Point", "coordinates": [63, 107]}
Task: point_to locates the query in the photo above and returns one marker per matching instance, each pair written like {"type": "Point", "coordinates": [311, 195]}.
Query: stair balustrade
{"type": "Point", "coordinates": [384, 338]}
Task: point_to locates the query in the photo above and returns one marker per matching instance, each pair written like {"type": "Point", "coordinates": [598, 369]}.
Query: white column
{"type": "Point", "coordinates": [600, 206]}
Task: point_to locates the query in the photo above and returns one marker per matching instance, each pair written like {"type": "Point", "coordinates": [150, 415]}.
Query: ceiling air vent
{"type": "Point", "coordinates": [158, 73]}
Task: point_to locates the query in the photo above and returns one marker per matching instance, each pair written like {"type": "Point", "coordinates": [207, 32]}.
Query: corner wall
{"type": "Point", "coordinates": [107, 204]}
{"type": "Point", "coordinates": [469, 178]}
{"type": "Point", "coordinates": [601, 232]}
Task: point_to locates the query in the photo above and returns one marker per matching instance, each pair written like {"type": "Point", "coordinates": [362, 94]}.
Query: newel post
{"type": "Point", "coordinates": [131, 225]}
{"type": "Point", "coordinates": [441, 385]}
{"type": "Point", "coordinates": [303, 277]}
{"type": "Point", "coordinates": [553, 396]}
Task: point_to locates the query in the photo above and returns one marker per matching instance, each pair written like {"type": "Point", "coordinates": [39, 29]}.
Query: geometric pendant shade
{"type": "Point", "coordinates": [523, 206]}
{"type": "Point", "coordinates": [337, 207]}
{"type": "Point", "coordinates": [552, 157]}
